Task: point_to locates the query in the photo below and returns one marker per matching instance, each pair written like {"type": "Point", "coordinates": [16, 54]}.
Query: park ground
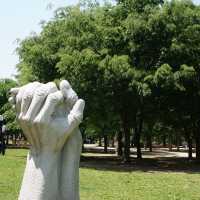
{"type": "Point", "coordinates": [104, 177]}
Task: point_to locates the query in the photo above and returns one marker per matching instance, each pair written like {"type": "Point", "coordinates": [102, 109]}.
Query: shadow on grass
{"type": "Point", "coordinates": [162, 164]}
{"type": "Point", "coordinates": [110, 162]}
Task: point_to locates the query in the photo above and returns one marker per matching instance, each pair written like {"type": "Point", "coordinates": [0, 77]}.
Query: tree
{"type": "Point", "coordinates": [134, 61]}
{"type": "Point", "coordinates": [6, 109]}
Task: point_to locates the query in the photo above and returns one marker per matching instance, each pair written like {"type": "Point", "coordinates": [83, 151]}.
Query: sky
{"type": "Point", "coordinates": [18, 18]}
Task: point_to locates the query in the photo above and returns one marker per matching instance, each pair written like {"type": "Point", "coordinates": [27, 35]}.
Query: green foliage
{"type": "Point", "coordinates": [139, 5]}
{"type": "Point", "coordinates": [5, 108]}
{"type": "Point", "coordinates": [5, 86]}
{"type": "Point", "coordinates": [9, 114]}
{"type": "Point", "coordinates": [136, 62]}
{"type": "Point", "coordinates": [164, 76]}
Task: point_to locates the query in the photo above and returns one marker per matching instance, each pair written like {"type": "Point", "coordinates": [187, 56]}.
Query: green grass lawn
{"type": "Point", "coordinates": [108, 184]}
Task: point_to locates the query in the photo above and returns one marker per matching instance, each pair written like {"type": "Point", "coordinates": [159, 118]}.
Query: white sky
{"type": "Point", "coordinates": [18, 18]}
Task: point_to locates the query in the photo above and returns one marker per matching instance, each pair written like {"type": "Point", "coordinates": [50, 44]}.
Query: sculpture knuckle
{"type": "Point", "coordinates": [36, 121]}
{"type": "Point", "coordinates": [27, 96]}
{"type": "Point", "coordinates": [39, 121]}
{"type": "Point", "coordinates": [82, 102]}
{"type": "Point", "coordinates": [51, 85]}
{"type": "Point", "coordinates": [26, 119]}
{"type": "Point", "coordinates": [72, 99]}
{"type": "Point", "coordinates": [20, 117]}
{"type": "Point", "coordinates": [46, 89]}
{"type": "Point", "coordinates": [41, 92]}
{"type": "Point", "coordinates": [36, 83]}
{"type": "Point", "coordinates": [18, 97]}
{"type": "Point", "coordinates": [52, 98]}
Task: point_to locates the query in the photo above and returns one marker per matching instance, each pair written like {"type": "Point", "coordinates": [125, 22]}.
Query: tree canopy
{"type": "Point", "coordinates": [136, 62]}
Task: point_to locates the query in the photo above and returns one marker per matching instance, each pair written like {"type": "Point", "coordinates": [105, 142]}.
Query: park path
{"type": "Point", "coordinates": [157, 152]}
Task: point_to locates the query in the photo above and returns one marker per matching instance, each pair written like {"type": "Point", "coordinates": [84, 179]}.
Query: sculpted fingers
{"type": "Point", "coordinates": [17, 96]}
{"type": "Point", "coordinates": [73, 120]}
{"type": "Point", "coordinates": [75, 117]}
{"type": "Point", "coordinates": [45, 112]}
{"type": "Point", "coordinates": [25, 103]}
{"type": "Point", "coordinates": [38, 99]}
{"type": "Point", "coordinates": [12, 100]}
{"type": "Point", "coordinates": [19, 100]}
{"type": "Point", "coordinates": [14, 91]}
{"type": "Point", "coordinates": [27, 97]}
{"type": "Point", "coordinates": [51, 102]}
{"type": "Point", "coordinates": [69, 94]}
{"type": "Point", "coordinates": [75, 105]}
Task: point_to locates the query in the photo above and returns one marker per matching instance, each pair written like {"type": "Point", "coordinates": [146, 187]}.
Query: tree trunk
{"type": "Point", "coordinates": [83, 139]}
{"type": "Point", "coordinates": [7, 139]}
{"type": "Point", "coordinates": [12, 138]}
{"type": "Point", "coordinates": [170, 143]}
{"type": "Point", "coordinates": [196, 133]}
{"type": "Point", "coordinates": [178, 140]}
{"type": "Point", "coordinates": [197, 139]}
{"type": "Point", "coordinates": [149, 142]}
{"type": "Point", "coordinates": [188, 138]}
{"type": "Point", "coordinates": [133, 139]}
{"type": "Point", "coordinates": [15, 139]}
{"type": "Point", "coordinates": [164, 140]}
{"type": "Point", "coordinates": [149, 137]}
{"type": "Point", "coordinates": [105, 143]}
{"type": "Point", "coordinates": [138, 132]}
{"type": "Point", "coordinates": [3, 146]}
{"type": "Point", "coordinates": [113, 142]}
{"type": "Point", "coordinates": [126, 145]}
{"type": "Point", "coordinates": [190, 148]}
{"type": "Point", "coordinates": [119, 144]}
{"type": "Point", "coordinates": [100, 143]}
{"type": "Point", "coordinates": [126, 152]}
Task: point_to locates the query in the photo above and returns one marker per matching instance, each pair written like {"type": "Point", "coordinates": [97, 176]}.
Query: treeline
{"type": "Point", "coordinates": [6, 109]}
{"type": "Point", "coordinates": [135, 62]}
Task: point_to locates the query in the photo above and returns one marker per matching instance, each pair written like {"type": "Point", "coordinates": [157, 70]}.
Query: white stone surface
{"type": "Point", "coordinates": [49, 119]}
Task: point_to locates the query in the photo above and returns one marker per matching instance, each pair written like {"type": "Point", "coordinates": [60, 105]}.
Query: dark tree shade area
{"type": "Point", "coordinates": [6, 109]}
{"type": "Point", "coordinates": [135, 62]}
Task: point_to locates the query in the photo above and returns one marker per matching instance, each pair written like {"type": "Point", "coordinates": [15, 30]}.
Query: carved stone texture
{"type": "Point", "coordinates": [50, 118]}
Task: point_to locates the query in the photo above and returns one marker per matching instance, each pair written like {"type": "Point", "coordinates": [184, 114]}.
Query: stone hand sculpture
{"type": "Point", "coordinates": [50, 119]}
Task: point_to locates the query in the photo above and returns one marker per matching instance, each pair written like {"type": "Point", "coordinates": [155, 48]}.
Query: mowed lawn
{"type": "Point", "coordinates": [108, 185]}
